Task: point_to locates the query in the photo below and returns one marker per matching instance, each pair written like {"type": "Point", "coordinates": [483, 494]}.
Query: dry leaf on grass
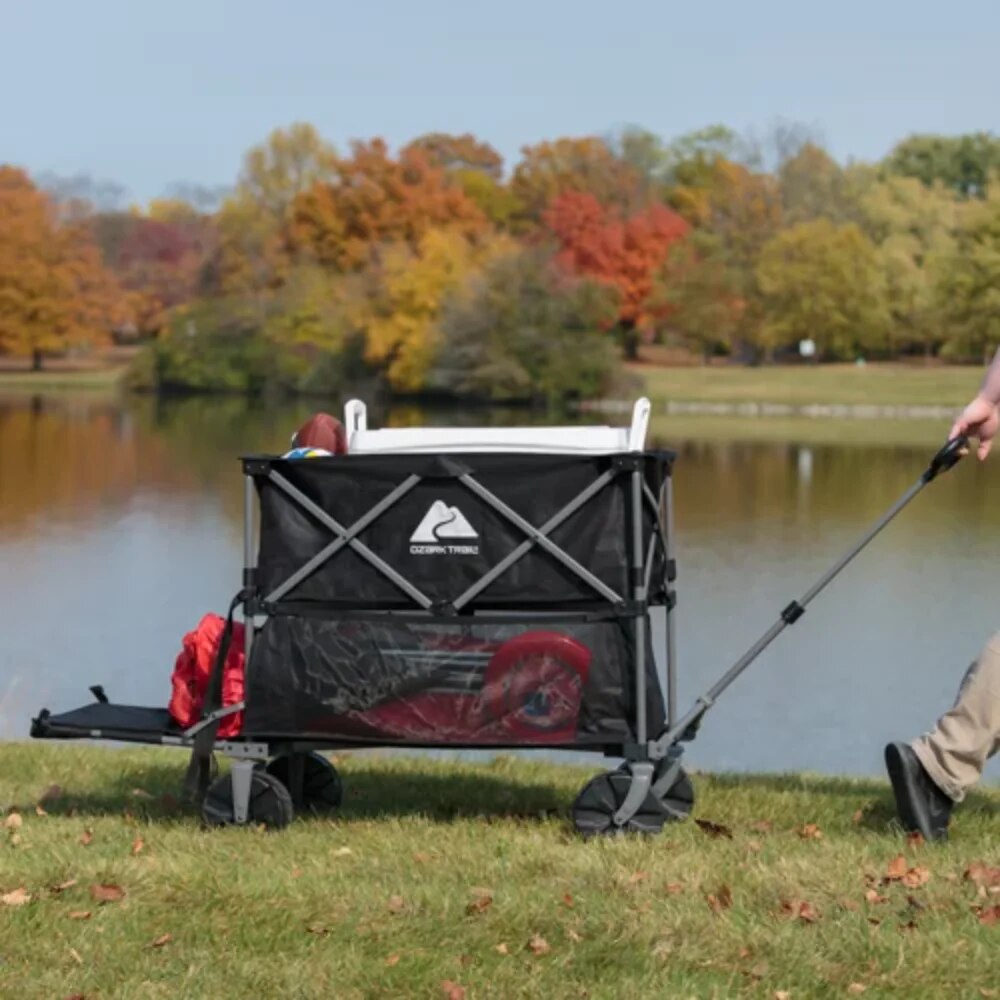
{"type": "Point", "coordinates": [14, 821]}
{"type": "Point", "coordinates": [982, 875]}
{"type": "Point", "coordinates": [137, 846]}
{"type": "Point", "coordinates": [320, 930]}
{"type": "Point", "coordinates": [86, 837]}
{"type": "Point", "coordinates": [714, 829]}
{"type": "Point", "coordinates": [39, 811]}
{"type": "Point", "coordinates": [452, 991]}
{"type": "Point", "coordinates": [79, 914]}
{"type": "Point", "coordinates": [392, 960]}
{"type": "Point", "coordinates": [896, 869]}
{"type": "Point", "coordinates": [721, 899]}
{"type": "Point", "coordinates": [858, 817]}
{"type": "Point", "coordinates": [782, 995]}
{"type": "Point", "coordinates": [421, 858]}
{"type": "Point", "coordinates": [914, 878]}
{"type": "Point", "coordinates": [873, 896]}
{"type": "Point", "coordinates": [568, 901]}
{"type": "Point", "coordinates": [674, 888]}
{"type": "Point", "coordinates": [107, 893]}
{"type": "Point", "coordinates": [856, 989]}
{"type": "Point", "coordinates": [341, 852]}
{"type": "Point", "coordinates": [636, 877]}
{"type": "Point", "coordinates": [910, 925]}
{"type": "Point", "coordinates": [537, 945]}
{"type": "Point", "coordinates": [62, 886]}
{"type": "Point", "coordinates": [162, 941]}
{"type": "Point", "coordinates": [16, 897]}
{"type": "Point", "coordinates": [915, 839]}
{"type": "Point", "coordinates": [479, 904]}
{"type": "Point", "coordinates": [800, 909]}
{"type": "Point", "coordinates": [988, 916]}
{"type": "Point", "coordinates": [75, 955]}
{"type": "Point", "coordinates": [396, 904]}
{"type": "Point", "coordinates": [141, 793]}
{"type": "Point", "coordinates": [811, 831]}
{"type": "Point", "coordinates": [573, 935]}
{"type": "Point", "coordinates": [762, 826]}
{"type": "Point", "coordinates": [502, 949]}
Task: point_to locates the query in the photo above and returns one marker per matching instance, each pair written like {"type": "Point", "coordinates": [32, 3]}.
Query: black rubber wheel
{"type": "Point", "coordinates": [270, 803]}
{"type": "Point", "coordinates": [322, 789]}
{"type": "Point", "coordinates": [679, 799]}
{"type": "Point", "coordinates": [600, 799]}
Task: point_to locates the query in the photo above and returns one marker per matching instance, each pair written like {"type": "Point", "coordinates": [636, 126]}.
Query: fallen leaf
{"type": "Point", "coordinates": [137, 846]}
{"type": "Point", "coordinates": [480, 904]}
{"type": "Point", "coordinates": [86, 837]}
{"type": "Point", "coordinates": [915, 839]}
{"type": "Point", "coordinates": [674, 888]}
{"type": "Point", "coordinates": [811, 832]}
{"type": "Point", "coordinates": [568, 901]}
{"type": "Point", "coordinates": [754, 846]}
{"type": "Point", "coordinates": [39, 811]}
{"type": "Point", "coordinates": [916, 877]}
{"type": "Point", "coordinates": [502, 949]}
{"type": "Point", "coordinates": [537, 945]}
{"type": "Point", "coordinates": [856, 819]}
{"type": "Point", "coordinates": [63, 886]}
{"type": "Point", "coordinates": [800, 909]}
{"type": "Point", "coordinates": [13, 822]}
{"type": "Point", "coordinates": [850, 904]}
{"type": "Point", "coordinates": [421, 858]}
{"type": "Point", "coordinates": [320, 930]}
{"type": "Point", "coordinates": [16, 897]}
{"type": "Point", "coordinates": [75, 955]}
{"type": "Point", "coordinates": [988, 916]}
{"type": "Point", "coordinates": [163, 939]}
{"type": "Point", "coordinates": [714, 829]}
{"type": "Point", "coordinates": [897, 868]}
{"type": "Point", "coordinates": [396, 904]}
{"type": "Point", "coordinates": [79, 914]}
{"type": "Point", "coordinates": [720, 900]}
{"type": "Point", "coordinates": [341, 852]}
{"type": "Point", "coordinates": [986, 992]}
{"type": "Point", "coordinates": [107, 893]}
{"type": "Point", "coordinates": [296, 872]}
{"type": "Point", "coordinates": [873, 896]}
{"type": "Point", "coordinates": [636, 877]}
{"type": "Point", "coordinates": [910, 925]}
{"type": "Point", "coordinates": [983, 875]}
{"type": "Point", "coordinates": [762, 826]}
{"type": "Point", "coordinates": [141, 793]}
{"type": "Point", "coordinates": [856, 989]}
{"type": "Point", "coordinates": [782, 995]}
{"type": "Point", "coordinates": [392, 960]}
{"type": "Point", "coordinates": [452, 991]}
{"type": "Point", "coordinates": [573, 936]}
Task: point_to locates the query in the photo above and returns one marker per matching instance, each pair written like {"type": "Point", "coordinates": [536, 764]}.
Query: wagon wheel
{"type": "Point", "coordinates": [270, 804]}
{"type": "Point", "coordinates": [602, 796]}
{"type": "Point", "coordinates": [321, 790]}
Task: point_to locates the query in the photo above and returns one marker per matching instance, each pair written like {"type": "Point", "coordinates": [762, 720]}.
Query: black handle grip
{"type": "Point", "coordinates": [947, 458]}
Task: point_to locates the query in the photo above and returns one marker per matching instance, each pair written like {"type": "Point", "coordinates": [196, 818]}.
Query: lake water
{"type": "Point", "coordinates": [120, 526]}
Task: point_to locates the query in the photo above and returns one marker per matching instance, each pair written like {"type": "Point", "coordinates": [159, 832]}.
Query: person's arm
{"type": "Point", "coordinates": [981, 418]}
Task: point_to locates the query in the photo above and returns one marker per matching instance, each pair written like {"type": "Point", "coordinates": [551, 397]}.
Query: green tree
{"type": "Point", "coordinates": [520, 331]}
{"type": "Point", "coordinates": [825, 283]}
{"type": "Point", "coordinates": [962, 162]}
{"type": "Point", "coordinates": [815, 186]}
{"type": "Point", "coordinates": [967, 289]}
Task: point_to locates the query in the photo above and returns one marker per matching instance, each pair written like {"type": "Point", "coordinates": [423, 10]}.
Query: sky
{"type": "Point", "coordinates": [149, 94]}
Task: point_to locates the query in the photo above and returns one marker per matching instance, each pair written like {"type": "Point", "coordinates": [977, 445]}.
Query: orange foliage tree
{"type": "Point", "coordinates": [55, 292]}
{"type": "Point", "coordinates": [375, 199]}
{"type": "Point", "coordinates": [624, 252]}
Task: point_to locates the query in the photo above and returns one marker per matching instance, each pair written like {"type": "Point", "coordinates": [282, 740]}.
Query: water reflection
{"type": "Point", "coordinates": [119, 527]}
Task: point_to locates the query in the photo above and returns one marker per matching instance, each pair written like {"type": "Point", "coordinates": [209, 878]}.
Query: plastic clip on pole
{"type": "Point", "coordinates": [947, 458]}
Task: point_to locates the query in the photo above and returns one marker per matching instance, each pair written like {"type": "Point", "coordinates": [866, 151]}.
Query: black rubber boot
{"type": "Point", "coordinates": [921, 805]}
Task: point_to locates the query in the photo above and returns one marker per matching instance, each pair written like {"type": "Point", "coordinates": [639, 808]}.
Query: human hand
{"type": "Point", "coordinates": [980, 420]}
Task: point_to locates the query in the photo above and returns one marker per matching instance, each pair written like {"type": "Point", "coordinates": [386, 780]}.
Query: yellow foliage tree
{"type": "Point", "coordinates": [54, 290]}
{"type": "Point", "coordinates": [401, 330]}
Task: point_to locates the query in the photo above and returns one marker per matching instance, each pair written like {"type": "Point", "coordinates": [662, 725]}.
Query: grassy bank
{"type": "Point", "coordinates": [454, 880]}
{"type": "Point", "coordinates": [888, 384]}
{"type": "Point", "coordinates": [100, 379]}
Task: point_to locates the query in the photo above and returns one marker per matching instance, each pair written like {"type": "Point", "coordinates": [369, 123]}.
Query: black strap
{"type": "Point", "coordinates": [198, 775]}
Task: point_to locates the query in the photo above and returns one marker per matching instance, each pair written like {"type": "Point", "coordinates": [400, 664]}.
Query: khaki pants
{"type": "Point", "coordinates": [956, 750]}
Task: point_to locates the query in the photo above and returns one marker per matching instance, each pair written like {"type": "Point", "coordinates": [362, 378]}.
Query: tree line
{"type": "Point", "coordinates": [432, 269]}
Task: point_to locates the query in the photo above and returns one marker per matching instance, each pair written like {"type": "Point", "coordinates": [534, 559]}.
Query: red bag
{"type": "Point", "coordinates": [193, 668]}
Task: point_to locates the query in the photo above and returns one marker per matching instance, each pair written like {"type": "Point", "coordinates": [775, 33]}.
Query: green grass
{"type": "Point", "coordinates": [377, 902]}
{"type": "Point", "coordinates": [888, 384]}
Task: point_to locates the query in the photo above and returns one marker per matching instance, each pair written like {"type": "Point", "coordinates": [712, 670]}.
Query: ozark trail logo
{"type": "Point", "coordinates": [443, 531]}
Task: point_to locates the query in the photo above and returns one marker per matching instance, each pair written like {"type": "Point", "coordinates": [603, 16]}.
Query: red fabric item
{"type": "Point", "coordinates": [322, 431]}
{"type": "Point", "coordinates": [193, 667]}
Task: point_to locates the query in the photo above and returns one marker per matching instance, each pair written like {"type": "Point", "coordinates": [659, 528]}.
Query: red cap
{"type": "Point", "coordinates": [322, 431]}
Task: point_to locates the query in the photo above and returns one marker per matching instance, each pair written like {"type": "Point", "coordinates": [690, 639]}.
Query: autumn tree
{"type": "Point", "coordinates": [824, 283]}
{"type": "Point", "coordinates": [572, 166]}
{"type": "Point", "coordinates": [374, 199]}
{"type": "Point", "coordinates": [814, 186]}
{"type": "Point", "coordinates": [458, 153]}
{"type": "Point", "coordinates": [54, 291]}
{"type": "Point", "coordinates": [624, 253]}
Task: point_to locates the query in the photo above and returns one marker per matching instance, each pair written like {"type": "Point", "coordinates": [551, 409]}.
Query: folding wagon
{"type": "Point", "coordinates": [485, 588]}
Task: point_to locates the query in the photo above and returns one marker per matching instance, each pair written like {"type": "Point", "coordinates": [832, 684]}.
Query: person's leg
{"type": "Point", "coordinates": [933, 772]}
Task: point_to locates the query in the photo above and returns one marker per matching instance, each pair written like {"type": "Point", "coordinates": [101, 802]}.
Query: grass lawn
{"type": "Point", "coordinates": [887, 384]}
{"type": "Point", "coordinates": [448, 880]}
{"type": "Point", "coordinates": [57, 379]}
